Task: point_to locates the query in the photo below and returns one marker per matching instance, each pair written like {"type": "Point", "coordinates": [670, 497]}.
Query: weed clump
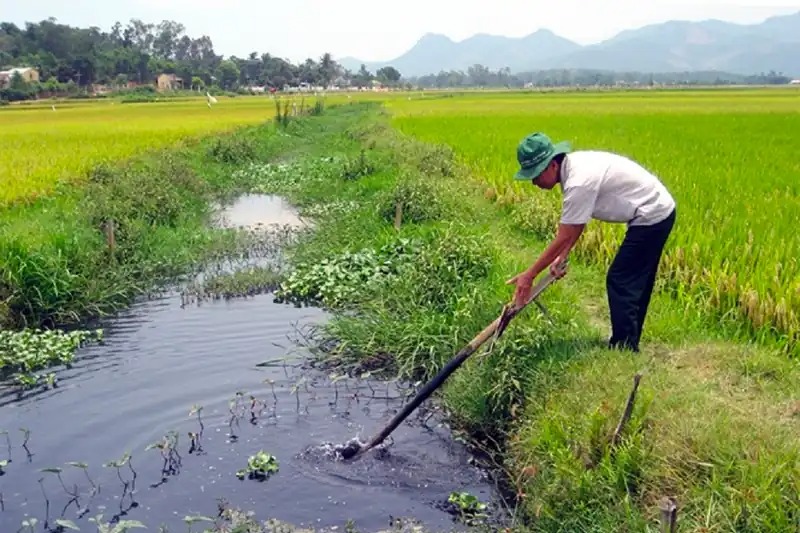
{"type": "Point", "coordinates": [46, 283]}
{"type": "Point", "coordinates": [235, 149]}
{"type": "Point", "coordinates": [449, 260]}
{"type": "Point", "coordinates": [430, 160]}
{"type": "Point", "coordinates": [317, 109]}
{"type": "Point", "coordinates": [358, 167]}
{"type": "Point", "coordinates": [241, 283]}
{"type": "Point", "coordinates": [338, 281]}
{"type": "Point", "coordinates": [137, 193]}
{"type": "Point", "coordinates": [419, 199]}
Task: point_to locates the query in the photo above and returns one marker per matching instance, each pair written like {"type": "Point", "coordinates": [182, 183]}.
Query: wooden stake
{"type": "Point", "coordinates": [110, 239]}
{"type": "Point", "coordinates": [669, 515]}
{"type": "Point", "coordinates": [398, 215]}
{"type": "Point", "coordinates": [626, 415]}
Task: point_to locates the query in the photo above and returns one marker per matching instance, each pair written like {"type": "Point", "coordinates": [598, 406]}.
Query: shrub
{"type": "Point", "coordinates": [419, 199]}
{"type": "Point", "coordinates": [358, 167]}
{"type": "Point", "coordinates": [431, 160]}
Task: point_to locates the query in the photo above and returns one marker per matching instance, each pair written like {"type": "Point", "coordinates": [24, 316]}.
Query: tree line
{"type": "Point", "coordinates": [70, 58]}
{"type": "Point", "coordinates": [481, 76]}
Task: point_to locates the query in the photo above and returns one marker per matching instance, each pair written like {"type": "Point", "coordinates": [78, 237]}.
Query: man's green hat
{"type": "Point", "coordinates": [535, 152]}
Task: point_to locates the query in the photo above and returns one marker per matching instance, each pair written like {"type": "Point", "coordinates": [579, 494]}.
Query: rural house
{"type": "Point", "coordinates": [28, 74]}
{"type": "Point", "coordinates": [169, 82]}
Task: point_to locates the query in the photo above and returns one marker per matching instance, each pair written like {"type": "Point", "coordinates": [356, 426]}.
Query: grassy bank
{"type": "Point", "coordinates": [85, 251]}
{"type": "Point", "coordinates": [714, 422]}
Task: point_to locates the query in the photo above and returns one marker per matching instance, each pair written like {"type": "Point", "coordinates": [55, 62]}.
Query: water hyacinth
{"type": "Point", "coordinates": [290, 177]}
{"type": "Point", "coordinates": [31, 350]}
{"type": "Point", "coordinates": [330, 209]}
{"type": "Point", "coordinates": [333, 282]}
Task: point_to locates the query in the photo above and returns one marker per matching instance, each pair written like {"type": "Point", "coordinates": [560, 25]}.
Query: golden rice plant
{"type": "Point", "coordinates": [728, 157]}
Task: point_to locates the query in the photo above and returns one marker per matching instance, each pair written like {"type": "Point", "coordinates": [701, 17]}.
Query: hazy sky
{"type": "Point", "coordinates": [373, 30]}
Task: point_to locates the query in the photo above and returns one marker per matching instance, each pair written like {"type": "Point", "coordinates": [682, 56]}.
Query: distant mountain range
{"type": "Point", "coordinates": [674, 46]}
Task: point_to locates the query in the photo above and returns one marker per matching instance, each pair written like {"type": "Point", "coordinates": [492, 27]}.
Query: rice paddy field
{"type": "Point", "coordinates": [41, 146]}
{"type": "Point", "coordinates": [729, 157]}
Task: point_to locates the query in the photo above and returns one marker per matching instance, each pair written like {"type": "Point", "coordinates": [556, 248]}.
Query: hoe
{"type": "Point", "coordinates": [494, 330]}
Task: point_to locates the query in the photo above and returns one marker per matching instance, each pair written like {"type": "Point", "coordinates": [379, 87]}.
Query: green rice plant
{"type": "Point", "coordinates": [744, 274]}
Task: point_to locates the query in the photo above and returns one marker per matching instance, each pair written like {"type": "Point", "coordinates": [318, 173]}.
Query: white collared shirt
{"type": "Point", "coordinates": [612, 188]}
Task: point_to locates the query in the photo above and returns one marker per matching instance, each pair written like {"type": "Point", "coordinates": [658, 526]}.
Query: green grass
{"type": "Point", "coordinates": [728, 157]}
{"type": "Point", "coordinates": [714, 425]}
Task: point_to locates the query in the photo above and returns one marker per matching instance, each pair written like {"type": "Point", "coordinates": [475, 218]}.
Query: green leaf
{"type": "Point", "coordinates": [197, 518]}
{"type": "Point", "coordinates": [124, 525]}
{"type": "Point", "coordinates": [67, 524]}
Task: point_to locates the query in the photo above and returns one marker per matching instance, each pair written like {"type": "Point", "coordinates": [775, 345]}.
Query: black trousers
{"type": "Point", "coordinates": [631, 278]}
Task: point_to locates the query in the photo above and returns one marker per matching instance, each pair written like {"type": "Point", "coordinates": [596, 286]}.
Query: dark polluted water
{"type": "Point", "coordinates": [241, 362]}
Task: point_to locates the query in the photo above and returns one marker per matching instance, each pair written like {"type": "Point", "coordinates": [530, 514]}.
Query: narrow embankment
{"type": "Point", "coordinates": [713, 423]}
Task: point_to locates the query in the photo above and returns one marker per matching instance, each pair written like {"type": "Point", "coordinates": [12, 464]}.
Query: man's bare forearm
{"type": "Point", "coordinates": [559, 247]}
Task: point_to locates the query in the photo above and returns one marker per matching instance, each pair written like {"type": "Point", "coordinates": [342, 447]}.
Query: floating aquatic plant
{"type": "Point", "coordinates": [259, 466]}
{"type": "Point", "coordinates": [469, 508]}
{"type": "Point", "coordinates": [120, 527]}
{"type": "Point", "coordinates": [334, 281]}
{"type": "Point", "coordinates": [27, 351]}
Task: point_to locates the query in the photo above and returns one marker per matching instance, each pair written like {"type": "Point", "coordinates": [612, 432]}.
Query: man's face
{"type": "Point", "coordinates": [548, 178]}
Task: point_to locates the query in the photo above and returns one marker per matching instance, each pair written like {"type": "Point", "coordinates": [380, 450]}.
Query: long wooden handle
{"type": "Point", "coordinates": [454, 363]}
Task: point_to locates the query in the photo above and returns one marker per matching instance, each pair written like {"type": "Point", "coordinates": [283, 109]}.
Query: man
{"type": "Point", "coordinates": [611, 188]}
